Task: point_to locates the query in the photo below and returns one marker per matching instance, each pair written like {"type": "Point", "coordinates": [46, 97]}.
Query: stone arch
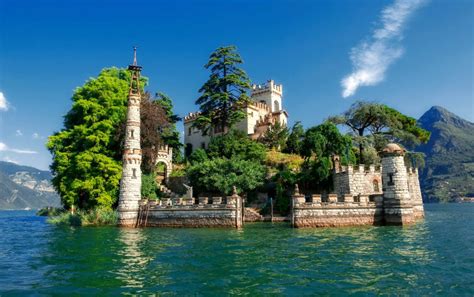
{"type": "Point", "coordinates": [165, 156]}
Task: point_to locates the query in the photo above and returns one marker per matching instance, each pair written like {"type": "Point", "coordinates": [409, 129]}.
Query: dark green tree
{"type": "Point", "coordinates": [236, 144]}
{"type": "Point", "coordinates": [224, 96]}
{"type": "Point", "coordinates": [275, 137]}
{"type": "Point", "coordinates": [295, 139]}
{"type": "Point", "coordinates": [170, 133]}
{"type": "Point", "coordinates": [218, 176]}
{"type": "Point", "coordinates": [319, 145]}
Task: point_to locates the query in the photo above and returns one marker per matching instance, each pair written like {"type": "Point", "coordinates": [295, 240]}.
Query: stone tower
{"type": "Point", "coordinates": [397, 202]}
{"type": "Point", "coordinates": [130, 184]}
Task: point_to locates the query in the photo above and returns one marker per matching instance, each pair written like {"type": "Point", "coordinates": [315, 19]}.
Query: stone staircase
{"type": "Point", "coordinates": [252, 215]}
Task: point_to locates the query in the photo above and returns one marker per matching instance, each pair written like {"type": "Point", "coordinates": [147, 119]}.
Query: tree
{"type": "Point", "coordinates": [218, 176]}
{"type": "Point", "coordinates": [224, 96]}
{"type": "Point", "coordinates": [295, 139]}
{"type": "Point", "coordinates": [170, 133]}
{"type": "Point", "coordinates": [320, 143]}
{"type": "Point", "coordinates": [237, 145]}
{"type": "Point", "coordinates": [384, 123]}
{"type": "Point", "coordinates": [359, 118]}
{"type": "Point", "coordinates": [153, 120]}
{"type": "Point", "coordinates": [86, 155]}
{"type": "Point", "coordinates": [275, 137]}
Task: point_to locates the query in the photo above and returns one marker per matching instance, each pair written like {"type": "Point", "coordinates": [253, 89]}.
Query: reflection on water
{"type": "Point", "coordinates": [270, 259]}
{"type": "Point", "coordinates": [133, 260]}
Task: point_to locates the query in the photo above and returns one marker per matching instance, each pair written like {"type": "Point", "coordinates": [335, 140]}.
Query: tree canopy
{"type": "Point", "coordinates": [275, 137]}
{"type": "Point", "coordinates": [384, 124]}
{"type": "Point", "coordinates": [224, 96]}
{"type": "Point", "coordinates": [87, 152]}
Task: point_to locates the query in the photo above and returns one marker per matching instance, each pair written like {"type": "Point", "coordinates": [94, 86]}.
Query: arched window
{"type": "Point", "coordinates": [376, 186]}
{"type": "Point", "coordinates": [131, 134]}
{"type": "Point", "coordinates": [134, 173]}
{"type": "Point", "coordinates": [276, 105]}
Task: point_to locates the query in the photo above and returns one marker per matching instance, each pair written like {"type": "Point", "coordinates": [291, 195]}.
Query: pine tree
{"type": "Point", "coordinates": [224, 96]}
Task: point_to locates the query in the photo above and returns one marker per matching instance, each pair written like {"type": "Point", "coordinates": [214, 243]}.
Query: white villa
{"type": "Point", "coordinates": [265, 109]}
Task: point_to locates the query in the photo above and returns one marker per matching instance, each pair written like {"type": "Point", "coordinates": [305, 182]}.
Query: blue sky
{"type": "Point", "coordinates": [408, 54]}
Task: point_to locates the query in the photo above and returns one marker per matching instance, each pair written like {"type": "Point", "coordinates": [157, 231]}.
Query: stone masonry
{"type": "Point", "coordinates": [390, 195]}
{"type": "Point", "coordinates": [130, 184]}
{"type": "Point", "coordinates": [192, 212]}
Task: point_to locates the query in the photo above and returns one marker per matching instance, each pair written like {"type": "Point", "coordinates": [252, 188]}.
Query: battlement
{"type": "Point", "coordinates": [191, 116]}
{"type": "Point", "coordinates": [361, 168]}
{"type": "Point", "coordinates": [270, 86]}
{"type": "Point", "coordinates": [165, 149]}
{"type": "Point", "coordinates": [259, 105]}
{"type": "Point", "coordinates": [191, 212]}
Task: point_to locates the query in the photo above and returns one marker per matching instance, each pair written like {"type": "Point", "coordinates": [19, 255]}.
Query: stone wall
{"type": "Point", "coordinates": [346, 212]}
{"type": "Point", "coordinates": [193, 213]}
{"type": "Point", "coordinates": [358, 180]}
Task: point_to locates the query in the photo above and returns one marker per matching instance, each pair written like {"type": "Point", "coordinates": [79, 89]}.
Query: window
{"type": "Point", "coordinates": [376, 185]}
{"type": "Point", "coordinates": [131, 134]}
{"type": "Point", "coordinates": [276, 105]}
{"type": "Point", "coordinates": [203, 145]}
{"type": "Point", "coordinates": [390, 179]}
{"type": "Point", "coordinates": [134, 173]}
{"type": "Point", "coordinates": [190, 130]}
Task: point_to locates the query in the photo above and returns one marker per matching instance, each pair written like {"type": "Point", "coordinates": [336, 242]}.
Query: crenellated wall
{"type": "Point", "coordinates": [389, 195]}
{"type": "Point", "coordinates": [192, 212]}
{"type": "Point", "coordinates": [358, 180]}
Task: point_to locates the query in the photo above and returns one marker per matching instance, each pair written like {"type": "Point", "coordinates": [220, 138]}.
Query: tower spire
{"type": "Point", "coordinates": [135, 70]}
{"type": "Point", "coordinates": [134, 56]}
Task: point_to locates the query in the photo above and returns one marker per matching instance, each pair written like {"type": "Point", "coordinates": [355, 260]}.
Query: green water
{"type": "Point", "coordinates": [434, 257]}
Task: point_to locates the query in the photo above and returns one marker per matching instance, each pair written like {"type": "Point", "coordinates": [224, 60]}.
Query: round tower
{"type": "Point", "coordinates": [130, 184]}
{"type": "Point", "coordinates": [398, 207]}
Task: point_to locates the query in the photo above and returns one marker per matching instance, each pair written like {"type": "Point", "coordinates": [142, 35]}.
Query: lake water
{"type": "Point", "coordinates": [433, 257]}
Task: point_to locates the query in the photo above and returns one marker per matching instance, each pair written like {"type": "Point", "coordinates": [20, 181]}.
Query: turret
{"type": "Point", "coordinates": [397, 202]}
{"type": "Point", "coordinates": [130, 184]}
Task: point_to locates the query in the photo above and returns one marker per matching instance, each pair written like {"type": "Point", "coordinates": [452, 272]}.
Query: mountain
{"type": "Point", "coordinates": [449, 171]}
{"type": "Point", "coordinates": [25, 187]}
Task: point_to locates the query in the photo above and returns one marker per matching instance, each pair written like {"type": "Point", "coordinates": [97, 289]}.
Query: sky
{"type": "Point", "coordinates": [410, 55]}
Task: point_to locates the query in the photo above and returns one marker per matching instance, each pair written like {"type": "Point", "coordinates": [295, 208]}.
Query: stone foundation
{"type": "Point", "coordinates": [207, 212]}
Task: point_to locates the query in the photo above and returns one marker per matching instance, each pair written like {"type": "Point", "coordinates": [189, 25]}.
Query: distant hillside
{"type": "Point", "coordinates": [25, 187]}
{"type": "Point", "coordinates": [449, 171]}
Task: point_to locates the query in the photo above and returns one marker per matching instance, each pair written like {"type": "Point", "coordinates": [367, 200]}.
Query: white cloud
{"type": "Point", "coordinates": [18, 133]}
{"type": "Point", "coordinates": [5, 148]}
{"type": "Point", "coordinates": [35, 135]}
{"type": "Point", "coordinates": [3, 102]}
{"type": "Point", "coordinates": [371, 59]}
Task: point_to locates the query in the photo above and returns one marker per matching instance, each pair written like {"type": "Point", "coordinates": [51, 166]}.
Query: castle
{"type": "Point", "coordinates": [362, 195]}
{"type": "Point", "coordinates": [265, 109]}
{"type": "Point", "coordinates": [388, 195]}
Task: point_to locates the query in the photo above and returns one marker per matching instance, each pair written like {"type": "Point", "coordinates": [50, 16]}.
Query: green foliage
{"type": "Point", "coordinates": [93, 217]}
{"type": "Point", "coordinates": [275, 137]}
{"type": "Point", "coordinates": [86, 157]}
{"type": "Point", "coordinates": [198, 156]}
{"type": "Point", "coordinates": [295, 139]}
{"type": "Point", "coordinates": [277, 160]}
{"type": "Point", "coordinates": [49, 211]}
{"type": "Point", "coordinates": [149, 187]}
{"type": "Point", "coordinates": [284, 180]}
{"type": "Point", "coordinates": [384, 123]}
{"type": "Point", "coordinates": [170, 133]}
{"type": "Point", "coordinates": [319, 145]}
{"type": "Point", "coordinates": [236, 144]}
{"type": "Point", "coordinates": [219, 175]}
{"type": "Point", "coordinates": [224, 96]}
